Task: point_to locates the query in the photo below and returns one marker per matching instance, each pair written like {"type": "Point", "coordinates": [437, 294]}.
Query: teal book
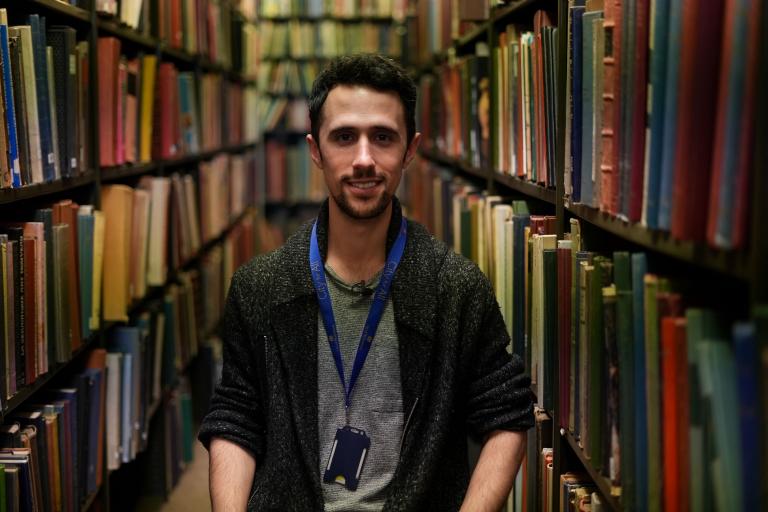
{"type": "Point", "coordinates": [718, 385]}
{"type": "Point", "coordinates": [622, 269]}
{"type": "Point", "coordinates": [669, 146]}
{"type": "Point", "coordinates": [85, 251]}
{"type": "Point", "coordinates": [639, 269]}
{"type": "Point", "coordinates": [550, 325]}
{"type": "Point", "coordinates": [701, 324]}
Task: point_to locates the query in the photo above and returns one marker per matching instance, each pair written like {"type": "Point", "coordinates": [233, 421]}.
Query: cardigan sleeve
{"type": "Point", "coordinates": [236, 409]}
{"type": "Point", "coordinates": [498, 391]}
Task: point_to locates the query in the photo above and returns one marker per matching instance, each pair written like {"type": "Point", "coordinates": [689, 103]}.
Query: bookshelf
{"type": "Point", "coordinates": [221, 247]}
{"type": "Point", "coordinates": [731, 283]}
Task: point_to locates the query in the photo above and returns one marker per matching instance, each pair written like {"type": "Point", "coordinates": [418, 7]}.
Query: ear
{"type": "Point", "coordinates": [413, 147]}
{"type": "Point", "coordinates": [314, 151]}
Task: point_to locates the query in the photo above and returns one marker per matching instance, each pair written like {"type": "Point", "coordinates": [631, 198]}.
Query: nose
{"type": "Point", "coordinates": [363, 157]}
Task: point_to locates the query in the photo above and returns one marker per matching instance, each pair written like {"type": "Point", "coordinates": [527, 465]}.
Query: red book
{"type": "Point", "coordinates": [109, 57]}
{"type": "Point", "coordinates": [540, 20]}
{"type": "Point", "coordinates": [122, 79]}
{"type": "Point", "coordinates": [639, 107]}
{"type": "Point", "coordinates": [176, 35]}
{"type": "Point", "coordinates": [697, 94]}
{"type": "Point", "coordinates": [674, 375]}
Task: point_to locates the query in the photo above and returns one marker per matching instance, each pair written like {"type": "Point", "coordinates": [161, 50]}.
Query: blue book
{"type": "Point", "coordinates": [43, 105]}
{"type": "Point", "coordinates": [747, 359]}
{"type": "Point", "coordinates": [588, 104]}
{"type": "Point", "coordinates": [127, 341]}
{"type": "Point", "coordinates": [639, 269]}
{"type": "Point", "coordinates": [519, 222]}
{"type": "Point", "coordinates": [10, 111]}
{"type": "Point", "coordinates": [69, 396]}
{"type": "Point", "coordinates": [85, 248]}
{"type": "Point", "coordinates": [93, 379]}
{"type": "Point", "coordinates": [657, 76]}
{"type": "Point", "coordinates": [669, 144]}
{"type": "Point", "coordinates": [577, 11]}
{"type": "Point", "coordinates": [729, 164]}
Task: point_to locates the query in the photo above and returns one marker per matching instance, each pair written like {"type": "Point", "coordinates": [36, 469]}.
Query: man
{"type": "Point", "coordinates": [312, 415]}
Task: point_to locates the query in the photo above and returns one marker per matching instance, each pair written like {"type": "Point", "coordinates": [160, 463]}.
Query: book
{"type": "Point", "coordinates": [117, 205]}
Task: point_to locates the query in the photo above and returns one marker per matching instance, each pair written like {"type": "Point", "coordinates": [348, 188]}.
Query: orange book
{"type": "Point", "coordinates": [117, 205]}
{"type": "Point", "coordinates": [35, 230]}
{"type": "Point", "coordinates": [109, 58]}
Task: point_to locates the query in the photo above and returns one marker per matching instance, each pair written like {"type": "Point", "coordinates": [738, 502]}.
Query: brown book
{"type": "Point", "coordinates": [65, 212]}
{"type": "Point", "coordinates": [30, 310]}
{"type": "Point", "coordinates": [109, 58]}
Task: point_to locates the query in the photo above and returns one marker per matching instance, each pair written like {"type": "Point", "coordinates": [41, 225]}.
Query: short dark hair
{"type": "Point", "coordinates": [369, 70]}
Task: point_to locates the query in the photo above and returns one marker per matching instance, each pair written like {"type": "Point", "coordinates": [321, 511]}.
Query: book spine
{"type": "Point", "coordinates": [10, 110]}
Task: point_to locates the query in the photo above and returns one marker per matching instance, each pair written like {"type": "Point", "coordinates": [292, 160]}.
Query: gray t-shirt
{"type": "Point", "coordinates": [377, 404]}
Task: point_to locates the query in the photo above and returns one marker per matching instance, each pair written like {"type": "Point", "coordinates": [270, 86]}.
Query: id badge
{"type": "Point", "coordinates": [347, 457]}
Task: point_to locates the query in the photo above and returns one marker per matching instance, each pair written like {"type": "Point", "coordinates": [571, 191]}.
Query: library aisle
{"type": "Point", "coordinates": [191, 495]}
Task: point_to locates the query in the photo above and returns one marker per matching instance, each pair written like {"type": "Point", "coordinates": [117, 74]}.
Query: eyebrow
{"type": "Point", "coordinates": [377, 127]}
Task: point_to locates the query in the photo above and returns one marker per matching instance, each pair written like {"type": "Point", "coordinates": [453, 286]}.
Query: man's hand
{"type": "Point", "coordinates": [231, 476]}
{"type": "Point", "coordinates": [495, 472]}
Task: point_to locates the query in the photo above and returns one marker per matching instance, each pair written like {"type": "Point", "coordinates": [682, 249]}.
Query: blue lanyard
{"type": "Point", "coordinates": [374, 314]}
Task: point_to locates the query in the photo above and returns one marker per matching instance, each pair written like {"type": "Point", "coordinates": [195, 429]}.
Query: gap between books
{"type": "Point", "coordinates": [602, 483]}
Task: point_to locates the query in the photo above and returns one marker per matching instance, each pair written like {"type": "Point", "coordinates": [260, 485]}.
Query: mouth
{"type": "Point", "coordinates": [364, 186]}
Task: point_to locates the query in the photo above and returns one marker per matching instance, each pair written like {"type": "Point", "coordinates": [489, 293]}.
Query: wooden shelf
{"type": "Point", "coordinates": [113, 27]}
{"type": "Point", "coordinates": [325, 17]}
{"type": "Point", "coordinates": [24, 393]}
{"type": "Point", "coordinates": [466, 43]}
{"type": "Point", "coordinates": [38, 190]}
{"type": "Point", "coordinates": [733, 264]}
{"type": "Point", "coordinates": [528, 188]}
{"type": "Point", "coordinates": [509, 13]}
{"type": "Point", "coordinates": [57, 7]}
{"type": "Point", "coordinates": [89, 501]}
{"type": "Point", "coordinates": [455, 163]}
{"type": "Point", "coordinates": [110, 174]}
{"type": "Point", "coordinates": [602, 483]}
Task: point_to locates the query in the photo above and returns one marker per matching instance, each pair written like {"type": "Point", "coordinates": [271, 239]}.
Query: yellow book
{"type": "Point", "coordinates": [98, 260]}
{"type": "Point", "coordinates": [148, 72]}
{"type": "Point", "coordinates": [117, 205]}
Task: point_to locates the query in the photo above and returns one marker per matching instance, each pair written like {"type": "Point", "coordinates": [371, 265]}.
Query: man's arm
{"type": "Point", "coordinates": [231, 476]}
{"type": "Point", "coordinates": [495, 472]}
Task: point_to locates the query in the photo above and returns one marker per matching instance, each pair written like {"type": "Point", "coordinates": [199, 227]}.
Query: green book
{"type": "Point", "coordinates": [622, 270]}
{"type": "Point", "coordinates": [550, 325]}
{"type": "Point", "coordinates": [466, 233]}
{"type": "Point", "coordinates": [652, 391]}
{"type": "Point", "coordinates": [597, 364]}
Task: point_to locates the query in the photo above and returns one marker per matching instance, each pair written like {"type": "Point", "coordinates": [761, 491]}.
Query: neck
{"type": "Point", "coordinates": [356, 247]}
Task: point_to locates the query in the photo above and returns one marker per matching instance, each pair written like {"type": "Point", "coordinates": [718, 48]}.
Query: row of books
{"type": "Point", "coordinates": [524, 91]}
{"type": "Point", "coordinates": [325, 39]}
{"type": "Point", "coordinates": [202, 27]}
{"type": "Point", "coordinates": [150, 110]}
{"type": "Point", "coordinates": [291, 174]}
{"type": "Point", "coordinates": [44, 112]}
{"type": "Point", "coordinates": [642, 377]}
{"type": "Point", "coordinates": [52, 449]}
{"type": "Point", "coordinates": [51, 272]}
{"type": "Point", "coordinates": [438, 24]}
{"type": "Point", "coordinates": [287, 77]}
{"type": "Point", "coordinates": [284, 114]}
{"type": "Point", "coordinates": [334, 8]}
{"type": "Point", "coordinates": [661, 121]}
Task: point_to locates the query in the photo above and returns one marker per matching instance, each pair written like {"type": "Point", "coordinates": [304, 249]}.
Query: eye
{"type": "Point", "coordinates": [383, 137]}
{"type": "Point", "coordinates": [344, 137]}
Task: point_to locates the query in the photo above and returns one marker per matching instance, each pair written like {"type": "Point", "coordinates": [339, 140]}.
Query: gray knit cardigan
{"type": "Point", "coordinates": [457, 377]}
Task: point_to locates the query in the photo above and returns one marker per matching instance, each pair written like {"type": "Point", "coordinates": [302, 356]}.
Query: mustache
{"type": "Point", "coordinates": [364, 173]}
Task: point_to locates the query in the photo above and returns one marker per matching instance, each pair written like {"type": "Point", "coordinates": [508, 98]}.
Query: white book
{"type": "Point", "coordinates": [52, 108]}
{"type": "Point", "coordinates": [159, 188]}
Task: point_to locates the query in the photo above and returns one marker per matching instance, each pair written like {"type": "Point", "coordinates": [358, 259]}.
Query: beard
{"type": "Point", "coordinates": [368, 212]}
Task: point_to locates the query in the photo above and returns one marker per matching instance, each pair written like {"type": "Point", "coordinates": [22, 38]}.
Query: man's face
{"type": "Point", "coordinates": [363, 148]}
